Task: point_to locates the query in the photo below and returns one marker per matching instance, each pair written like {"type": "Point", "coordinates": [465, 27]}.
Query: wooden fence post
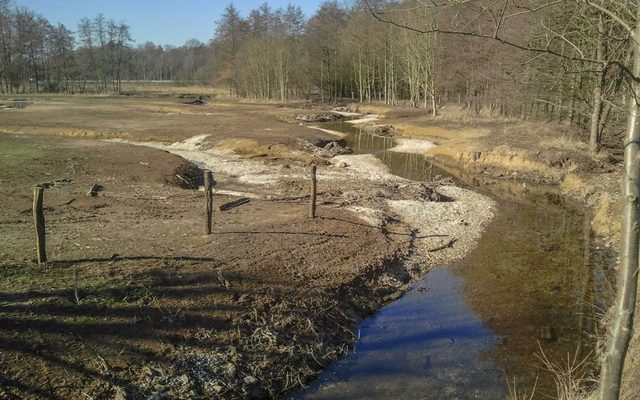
{"type": "Point", "coordinates": [38, 220]}
{"type": "Point", "coordinates": [313, 192]}
{"type": "Point", "coordinates": [208, 191]}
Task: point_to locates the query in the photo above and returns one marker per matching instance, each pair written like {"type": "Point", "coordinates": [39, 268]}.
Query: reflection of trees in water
{"type": "Point", "coordinates": [530, 279]}
{"type": "Point", "coordinates": [408, 165]}
{"type": "Point", "coordinates": [411, 166]}
{"type": "Point", "coordinates": [366, 142]}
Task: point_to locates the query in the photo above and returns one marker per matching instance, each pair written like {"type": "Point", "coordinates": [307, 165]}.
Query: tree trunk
{"type": "Point", "coordinates": [594, 134]}
{"type": "Point", "coordinates": [627, 280]}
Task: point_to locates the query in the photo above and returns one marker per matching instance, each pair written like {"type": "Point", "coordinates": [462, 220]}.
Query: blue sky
{"type": "Point", "coordinates": [161, 21]}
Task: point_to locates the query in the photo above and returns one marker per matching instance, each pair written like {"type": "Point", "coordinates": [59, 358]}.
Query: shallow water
{"type": "Point", "coordinates": [423, 346]}
{"type": "Point", "coordinates": [530, 284]}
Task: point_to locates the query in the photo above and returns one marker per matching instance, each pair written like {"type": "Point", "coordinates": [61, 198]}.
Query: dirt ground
{"type": "Point", "coordinates": [167, 119]}
{"type": "Point", "coordinates": [136, 300]}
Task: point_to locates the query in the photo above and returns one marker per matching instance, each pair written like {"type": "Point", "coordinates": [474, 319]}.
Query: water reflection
{"type": "Point", "coordinates": [411, 166]}
{"type": "Point", "coordinates": [408, 165]}
{"type": "Point", "coordinates": [529, 284]}
{"type": "Point", "coordinates": [427, 345]}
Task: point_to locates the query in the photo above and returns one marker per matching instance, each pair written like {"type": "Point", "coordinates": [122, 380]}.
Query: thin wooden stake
{"type": "Point", "coordinates": [313, 192]}
{"type": "Point", "coordinates": [38, 220]}
{"type": "Point", "coordinates": [208, 191]}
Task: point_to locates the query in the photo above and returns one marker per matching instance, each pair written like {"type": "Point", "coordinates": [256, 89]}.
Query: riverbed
{"type": "Point", "coordinates": [474, 328]}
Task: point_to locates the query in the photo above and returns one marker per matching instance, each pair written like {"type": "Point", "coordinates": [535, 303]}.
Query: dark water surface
{"type": "Point", "coordinates": [465, 328]}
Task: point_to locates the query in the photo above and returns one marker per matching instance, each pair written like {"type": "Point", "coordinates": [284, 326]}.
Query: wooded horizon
{"type": "Point", "coordinates": [548, 64]}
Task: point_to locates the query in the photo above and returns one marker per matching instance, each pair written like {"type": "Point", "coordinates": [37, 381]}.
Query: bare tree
{"type": "Point", "coordinates": [626, 16]}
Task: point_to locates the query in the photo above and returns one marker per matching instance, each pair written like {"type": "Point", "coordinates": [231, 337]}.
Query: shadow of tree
{"type": "Point", "coordinates": [97, 337]}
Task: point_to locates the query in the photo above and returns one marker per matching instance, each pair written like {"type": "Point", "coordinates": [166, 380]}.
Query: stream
{"type": "Point", "coordinates": [474, 328]}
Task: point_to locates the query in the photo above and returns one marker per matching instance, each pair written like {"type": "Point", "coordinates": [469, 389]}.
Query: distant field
{"type": "Point", "coordinates": [173, 89]}
{"type": "Point", "coordinates": [162, 114]}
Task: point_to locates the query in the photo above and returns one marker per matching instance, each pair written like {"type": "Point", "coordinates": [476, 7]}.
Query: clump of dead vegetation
{"type": "Point", "coordinates": [187, 176]}
{"type": "Point", "coordinates": [328, 117]}
{"type": "Point", "coordinates": [324, 149]}
{"type": "Point", "coordinates": [277, 346]}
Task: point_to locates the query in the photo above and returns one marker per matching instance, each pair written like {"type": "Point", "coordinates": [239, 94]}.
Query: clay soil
{"type": "Point", "coordinates": [137, 301]}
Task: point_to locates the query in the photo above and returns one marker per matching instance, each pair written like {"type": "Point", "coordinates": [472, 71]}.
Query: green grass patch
{"type": "Point", "coordinates": [17, 151]}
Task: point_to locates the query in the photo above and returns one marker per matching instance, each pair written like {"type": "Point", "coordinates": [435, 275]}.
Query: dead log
{"type": "Point", "coordinates": [235, 203]}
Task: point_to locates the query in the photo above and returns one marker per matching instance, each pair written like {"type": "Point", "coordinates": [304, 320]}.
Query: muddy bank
{"type": "Point", "coordinates": [525, 154]}
{"type": "Point", "coordinates": [543, 171]}
{"type": "Point", "coordinates": [254, 310]}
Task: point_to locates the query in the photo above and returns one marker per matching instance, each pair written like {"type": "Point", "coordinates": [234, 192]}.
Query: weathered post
{"type": "Point", "coordinates": [38, 220]}
{"type": "Point", "coordinates": [208, 191]}
{"type": "Point", "coordinates": [313, 192]}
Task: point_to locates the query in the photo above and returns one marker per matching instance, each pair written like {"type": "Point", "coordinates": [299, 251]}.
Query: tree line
{"type": "Point", "coordinates": [348, 51]}
{"type": "Point", "coordinates": [37, 56]}
{"type": "Point", "coordinates": [391, 51]}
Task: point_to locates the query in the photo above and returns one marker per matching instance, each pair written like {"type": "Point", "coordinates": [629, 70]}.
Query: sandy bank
{"type": "Point", "coordinates": [417, 146]}
{"type": "Point", "coordinates": [361, 184]}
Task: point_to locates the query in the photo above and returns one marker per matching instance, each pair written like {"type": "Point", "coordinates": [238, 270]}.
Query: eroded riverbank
{"type": "Point", "coordinates": [530, 288]}
{"type": "Point", "coordinates": [444, 230]}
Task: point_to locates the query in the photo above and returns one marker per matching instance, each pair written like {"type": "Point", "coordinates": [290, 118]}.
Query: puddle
{"type": "Point", "coordinates": [530, 284]}
{"type": "Point", "coordinates": [16, 103]}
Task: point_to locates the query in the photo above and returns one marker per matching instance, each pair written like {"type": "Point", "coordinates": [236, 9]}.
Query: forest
{"type": "Point", "coordinates": [548, 63]}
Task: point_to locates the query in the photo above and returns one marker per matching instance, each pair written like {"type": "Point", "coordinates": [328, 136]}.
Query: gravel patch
{"type": "Point", "coordinates": [446, 231]}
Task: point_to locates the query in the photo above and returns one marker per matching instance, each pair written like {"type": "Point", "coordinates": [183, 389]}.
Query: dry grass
{"type": "Point", "coordinates": [515, 394]}
{"type": "Point", "coordinates": [460, 113]}
{"type": "Point", "coordinates": [172, 88]}
{"type": "Point", "coordinates": [571, 376]}
{"type": "Point", "coordinates": [437, 132]}
{"type": "Point", "coordinates": [565, 142]}
{"type": "Point", "coordinates": [251, 148]}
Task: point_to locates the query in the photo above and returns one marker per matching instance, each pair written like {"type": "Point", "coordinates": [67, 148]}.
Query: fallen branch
{"type": "Point", "coordinates": [184, 180]}
{"type": "Point", "coordinates": [235, 203]}
{"type": "Point", "coordinates": [445, 246]}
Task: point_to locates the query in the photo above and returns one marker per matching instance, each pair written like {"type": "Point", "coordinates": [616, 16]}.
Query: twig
{"type": "Point", "coordinates": [445, 246]}
{"type": "Point", "coordinates": [184, 180]}
{"type": "Point", "coordinates": [75, 287]}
